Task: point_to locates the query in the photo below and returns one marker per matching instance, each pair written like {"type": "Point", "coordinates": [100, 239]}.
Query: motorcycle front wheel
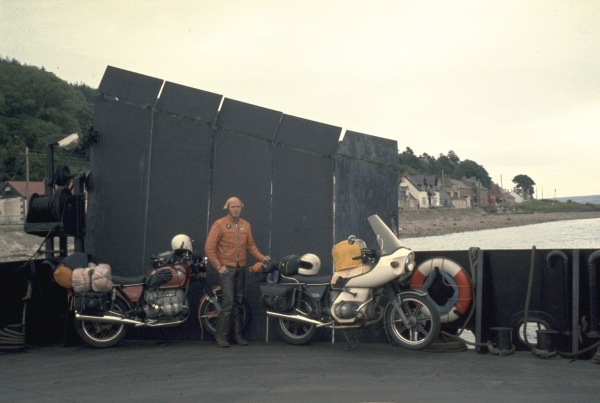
{"type": "Point", "coordinates": [295, 332]}
{"type": "Point", "coordinates": [210, 306]}
{"type": "Point", "coordinates": [103, 334]}
{"type": "Point", "coordinates": [423, 322]}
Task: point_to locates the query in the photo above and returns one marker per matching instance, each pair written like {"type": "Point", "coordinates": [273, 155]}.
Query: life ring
{"type": "Point", "coordinates": [452, 275]}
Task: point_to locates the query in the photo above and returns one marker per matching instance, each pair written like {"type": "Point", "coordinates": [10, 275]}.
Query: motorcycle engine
{"type": "Point", "coordinates": [164, 303]}
{"type": "Point", "coordinates": [345, 310]}
{"type": "Point", "coordinates": [353, 310]}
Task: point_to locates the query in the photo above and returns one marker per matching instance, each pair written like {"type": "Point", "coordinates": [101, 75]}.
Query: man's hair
{"type": "Point", "coordinates": [232, 199]}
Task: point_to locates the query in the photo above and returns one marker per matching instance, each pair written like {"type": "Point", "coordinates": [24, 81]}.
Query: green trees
{"type": "Point", "coordinates": [444, 165]}
{"type": "Point", "coordinates": [524, 185]}
{"type": "Point", "coordinates": [35, 105]}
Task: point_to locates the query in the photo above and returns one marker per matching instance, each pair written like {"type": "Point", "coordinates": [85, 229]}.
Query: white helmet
{"type": "Point", "coordinates": [309, 264]}
{"type": "Point", "coordinates": [181, 242]}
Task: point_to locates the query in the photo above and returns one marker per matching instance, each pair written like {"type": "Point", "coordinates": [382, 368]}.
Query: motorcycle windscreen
{"type": "Point", "coordinates": [387, 240]}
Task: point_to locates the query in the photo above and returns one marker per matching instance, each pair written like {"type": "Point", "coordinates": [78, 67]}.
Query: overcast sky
{"type": "Point", "coordinates": [512, 85]}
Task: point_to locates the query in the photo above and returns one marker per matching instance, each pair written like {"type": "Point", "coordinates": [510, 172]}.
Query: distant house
{"type": "Point", "coordinates": [461, 194]}
{"type": "Point", "coordinates": [446, 199]}
{"type": "Point", "coordinates": [21, 188]}
{"type": "Point", "coordinates": [480, 192]}
{"type": "Point", "coordinates": [423, 188]}
{"type": "Point", "coordinates": [13, 200]}
{"type": "Point", "coordinates": [514, 197]}
{"type": "Point", "coordinates": [407, 201]}
{"type": "Point", "coordinates": [496, 194]}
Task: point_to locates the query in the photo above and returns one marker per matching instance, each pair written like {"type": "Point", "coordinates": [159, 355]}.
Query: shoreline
{"type": "Point", "coordinates": [415, 224]}
{"type": "Point", "coordinates": [17, 245]}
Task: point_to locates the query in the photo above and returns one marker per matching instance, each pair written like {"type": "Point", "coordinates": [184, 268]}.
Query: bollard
{"type": "Point", "coordinates": [544, 347]}
{"type": "Point", "coordinates": [504, 338]}
{"type": "Point", "coordinates": [545, 339]}
{"type": "Point", "coordinates": [504, 344]}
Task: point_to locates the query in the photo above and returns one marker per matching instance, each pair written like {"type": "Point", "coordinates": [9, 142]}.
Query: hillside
{"type": "Point", "coordinates": [36, 109]}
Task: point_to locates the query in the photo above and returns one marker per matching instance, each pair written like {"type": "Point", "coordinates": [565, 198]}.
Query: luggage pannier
{"type": "Point", "coordinates": [277, 297]}
{"type": "Point", "coordinates": [92, 303]}
{"type": "Point", "coordinates": [288, 266]}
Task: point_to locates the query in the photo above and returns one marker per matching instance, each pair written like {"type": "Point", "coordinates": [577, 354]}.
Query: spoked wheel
{"type": "Point", "coordinates": [103, 334]}
{"type": "Point", "coordinates": [298, 332]}
{"type": "Point", "coordinates": [210, 306]}
{"type": "Point", "coordinates": [423, 321]}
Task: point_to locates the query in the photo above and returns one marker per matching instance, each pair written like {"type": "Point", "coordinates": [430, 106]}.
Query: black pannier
{"type": "Point", "coordinates": [288, 265]}
{"type": "Point", "coordinates": [92, 303]}
{"type": "Point", "coordinates": [277, 297]}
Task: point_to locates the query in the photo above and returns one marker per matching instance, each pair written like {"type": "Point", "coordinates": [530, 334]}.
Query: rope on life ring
{"type": "Point", "coordinates": [453, 275]}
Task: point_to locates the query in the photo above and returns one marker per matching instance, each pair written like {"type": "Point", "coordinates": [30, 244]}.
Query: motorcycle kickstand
{"type": "Point", "coordinates": [351, 346]}
{"type": "Point", "coordinates": [164, 342]}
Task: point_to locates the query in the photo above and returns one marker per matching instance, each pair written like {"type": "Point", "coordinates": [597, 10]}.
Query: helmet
{"type": "Point", "coordinates": [180, 242]}
{"type": "Point", "coordinates": [309, 264]}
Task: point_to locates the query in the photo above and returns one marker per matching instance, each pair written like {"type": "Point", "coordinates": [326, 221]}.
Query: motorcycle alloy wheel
{"type": "Point", "coordinates": [208, 310]}
{"type": "Point", "coordinates": [423, 325]}
{"type": "Point", "coordinates": [103, 334]}
{"type": "Point", "coordinates": [295, 332]}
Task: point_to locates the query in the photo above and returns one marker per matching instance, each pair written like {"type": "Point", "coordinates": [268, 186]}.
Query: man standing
{"type": "Point", "coordinates": [228, 240]}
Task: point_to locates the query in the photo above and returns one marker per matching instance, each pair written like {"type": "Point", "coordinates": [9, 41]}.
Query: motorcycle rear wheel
{"type": "Point", "coordinates": [423, 325]}
{"type": "Point", "coordinates": [294, 332]}
{"type": "Point", "coordinates": [102, 334]}
{"type": "Point", "coordinates": [208, 311]}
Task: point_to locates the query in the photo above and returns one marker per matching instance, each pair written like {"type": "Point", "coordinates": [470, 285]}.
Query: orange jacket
{"type": "Point", "coordinates": [228, 242]}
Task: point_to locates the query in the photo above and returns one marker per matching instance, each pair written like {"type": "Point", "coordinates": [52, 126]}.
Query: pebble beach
{"type": "Point", "coordinates": [435, 222]}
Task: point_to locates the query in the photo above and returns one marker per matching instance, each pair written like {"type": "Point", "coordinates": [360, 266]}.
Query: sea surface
{"type": "Point", "coordinates": [570, 234]}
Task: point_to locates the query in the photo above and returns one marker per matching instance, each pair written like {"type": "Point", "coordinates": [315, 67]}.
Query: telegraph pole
{"type": "Point", "coordinates": [26, 181]}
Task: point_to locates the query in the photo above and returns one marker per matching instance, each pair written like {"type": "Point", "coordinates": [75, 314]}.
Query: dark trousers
{"type": "Point", "coordinates": [233, 284]}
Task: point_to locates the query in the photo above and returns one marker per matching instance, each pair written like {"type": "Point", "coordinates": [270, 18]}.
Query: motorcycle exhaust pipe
{"type": "Point", "coordinates": [108, 319]}
{"type": "Point", "coordinates": [124, 321]}
{"type": "Point", "coordinates": [297, 318]}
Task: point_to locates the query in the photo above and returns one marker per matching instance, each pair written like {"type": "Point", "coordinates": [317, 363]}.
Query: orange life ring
{"type": "Point", "coordinates": [452, 275]}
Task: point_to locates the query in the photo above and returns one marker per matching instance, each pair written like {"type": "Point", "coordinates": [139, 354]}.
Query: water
{"type": "Point", "coordinates": [571, 234]}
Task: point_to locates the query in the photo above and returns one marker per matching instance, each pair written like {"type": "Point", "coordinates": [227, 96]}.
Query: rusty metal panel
{"type": "Point", "coordinates": [308, 135]}
{"type": "Point", "coordinates": [117, 198]}
{"type": "Point", "coordinates": [242, 167]}
{"type": "Point", "coordinates": [248, 119]}
{"type": "Point", "coordinates": [366, 184]}
{"type": "Point", "coordinates": [179, 183]}
{"type": "Point", "coordinates": [190, 102]}
{"type": "Point", "coordinates": [130, 86]}
{"type": "Point", "coordinates": [369, 148]}
{"type": "Point", "coordinates": [302, 211]}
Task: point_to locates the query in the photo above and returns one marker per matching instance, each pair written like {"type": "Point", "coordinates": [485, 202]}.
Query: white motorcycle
{"type": "Point", "coordinates": [368, 286]}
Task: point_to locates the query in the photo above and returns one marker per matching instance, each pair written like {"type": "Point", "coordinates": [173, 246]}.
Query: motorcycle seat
{"type": "Point", "coordinates": [122, 280]}
{"type": "Point", "coordinates": [319, 279]}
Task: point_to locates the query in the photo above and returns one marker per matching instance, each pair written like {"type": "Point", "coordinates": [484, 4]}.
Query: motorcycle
{"type": "Point", "coordinates": [159, 299]}
{"type": "Point", "coordinates": [209, 306]}
{"type": "Point", "coordinates": [368, 286]}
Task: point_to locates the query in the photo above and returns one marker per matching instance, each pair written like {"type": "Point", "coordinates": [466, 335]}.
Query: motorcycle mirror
{"type": "Point", "coordinates": [352, 239]}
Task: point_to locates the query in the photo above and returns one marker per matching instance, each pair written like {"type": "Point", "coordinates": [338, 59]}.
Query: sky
{"type": "Point", "coordinates": [512, 85]}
